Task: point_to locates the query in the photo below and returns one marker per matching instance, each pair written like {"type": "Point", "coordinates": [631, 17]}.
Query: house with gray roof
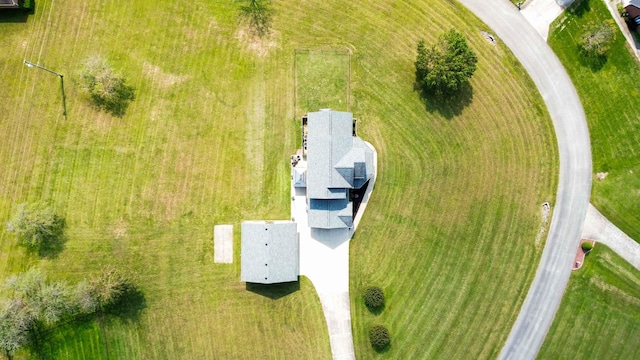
{"type": "Point", "coordinates": [270, 252]}
{"type": "Point", "coordinates": [337, 162]}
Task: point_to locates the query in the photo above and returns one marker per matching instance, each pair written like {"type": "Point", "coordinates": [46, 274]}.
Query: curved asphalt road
{"type": "Point", "coordinates": [543, 299]}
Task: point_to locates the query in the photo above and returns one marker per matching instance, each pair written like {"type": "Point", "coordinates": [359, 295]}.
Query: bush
{"type": "Point", "coordinates": [374, 297]}
{"type": "Point", "coordinates": [379, 337]}
{"type": "Point", "coordinates": [586, 246]}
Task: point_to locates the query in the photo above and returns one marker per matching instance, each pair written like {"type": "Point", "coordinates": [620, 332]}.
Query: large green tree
{"type": "Point", "coordinates": [447, 65]}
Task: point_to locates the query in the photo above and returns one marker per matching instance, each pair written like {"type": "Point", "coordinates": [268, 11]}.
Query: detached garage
{"type": "Point", "coordinates": [270, 252]}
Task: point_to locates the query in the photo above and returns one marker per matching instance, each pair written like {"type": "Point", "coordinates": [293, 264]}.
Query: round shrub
{"type": "Point", "coordinates": [374, 297]}
{"type": "Point", "coordinates": [379, 337]}
{"type": "Point", "coordinates": [586, 246]}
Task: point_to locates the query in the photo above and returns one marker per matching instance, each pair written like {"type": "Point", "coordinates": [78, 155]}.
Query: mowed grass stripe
{"type": "Point", "coordinates": [599, 314]}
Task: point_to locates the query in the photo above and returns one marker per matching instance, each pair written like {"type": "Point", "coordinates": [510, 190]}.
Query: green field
{"type": "Point", "coordinates": [322, 80]}
{"type": "Point", "coordinates": [610, 96]}
{"type": "Point", "coordinates": [600, 312]}
{"type": "Point", "coordinates": [449, 234]}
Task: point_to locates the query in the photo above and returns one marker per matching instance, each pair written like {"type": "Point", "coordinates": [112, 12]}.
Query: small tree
{"type": "Point", "coordinates": [374, 297]}
{"type": "Point", "coordinates": [55, 302]}
{"type": "Point", "coordinates": [35, 226]}
{"type": "Point", "coordinates": [258, 13]}
{"type": "Point", "coordinates": [107, 89]}
{"type": "Point", "coordinates": [597, 38]}
{"type": "Point", "coordinates": [109, 287]}
{"type": "Point", "coordinates": [586, 246]}
{"type": "Point", "coordinates": [447, 65]}
{"type": "Point", "coordinates": [379, 337]}
{"type": "Point", "coordinates": [85, 297]}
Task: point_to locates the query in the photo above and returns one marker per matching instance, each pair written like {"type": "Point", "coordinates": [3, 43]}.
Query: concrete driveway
{"type": "Point", "coordinates": [324, 259]}
{"type": "Point", "coordinates": [598, 228]}
{"type": "Point", "coordinates": [574, 188]}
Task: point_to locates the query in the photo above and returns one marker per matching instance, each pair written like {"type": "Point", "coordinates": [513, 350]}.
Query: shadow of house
{"type": "Point", "coordinates": [9, 4]}
{"type": "Point", "coordinates": [12, 11]}
{"type": "Point", "coordinates": [274, 291]}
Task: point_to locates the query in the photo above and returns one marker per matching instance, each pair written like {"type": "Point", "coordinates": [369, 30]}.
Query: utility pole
{"type": "Point", "coordinates": [64, 99]}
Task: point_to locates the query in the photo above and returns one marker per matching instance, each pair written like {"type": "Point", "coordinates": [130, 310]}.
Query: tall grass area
{"type": "Point", "coordinates": [449, 234]}
{"type": "Point", "coordinates": [610, 96]}
{"type": "Point", "coordinates": [600, 312]}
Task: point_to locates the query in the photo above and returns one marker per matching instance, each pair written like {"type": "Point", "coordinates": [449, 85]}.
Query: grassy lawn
{"type": "Point", "coordinates": [449, 234]}
{"type": "Point", "coordinates": [610, 96]}
{"type": "Point", "coordinates": [600, 312]}
{"type": "Point", "coordinates": [322, 80]}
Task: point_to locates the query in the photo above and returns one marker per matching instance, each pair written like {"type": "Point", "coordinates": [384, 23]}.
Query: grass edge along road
{"type": "Point", "coordinates": [614, 125]}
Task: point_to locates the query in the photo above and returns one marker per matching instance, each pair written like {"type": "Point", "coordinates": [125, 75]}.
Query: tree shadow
{"type": "Point", "coordinates": [258, 13]}
{"type": "Point", "coordinates": [579, 7]}
{"type": "Point", "coordinates": [55, 243]}
{"type": "Point", "coordinates": [274, 291]}
{"type": "Point", "coordinates": [594, 62]}
{"type": "Point", "coordinates": [376, 310]}
{"type": "Point", "coordinates": [447, 105]}
{"type": "Point", "coordinates": [116, 106]}
{"type": "Point", "coordinates": [383, 350]}
{"type": "Point", "coordinates": [129, 306]}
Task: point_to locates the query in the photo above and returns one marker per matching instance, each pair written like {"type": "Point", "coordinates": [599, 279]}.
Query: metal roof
{"type": "Point", "coordinates": [270, 252]}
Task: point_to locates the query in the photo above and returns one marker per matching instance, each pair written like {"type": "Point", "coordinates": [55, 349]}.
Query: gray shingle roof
{"type": "Point", "coordinates": [270, 252]}
{"type": "Point", "coordinates": [329, 139]}
{"type": "Point", "coordinates": [330, 214]}
{"type": "Point", "coordinates": [336, 161]}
